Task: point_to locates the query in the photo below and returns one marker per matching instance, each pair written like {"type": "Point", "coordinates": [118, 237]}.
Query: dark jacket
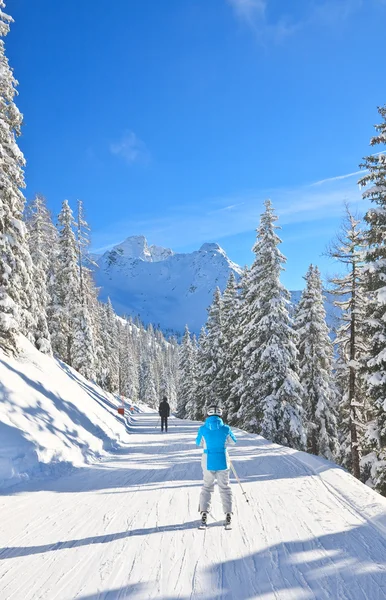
{"type": "Point", "coordinates": [164, 409]}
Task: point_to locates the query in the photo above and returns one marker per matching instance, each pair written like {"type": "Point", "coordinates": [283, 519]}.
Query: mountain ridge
{"type": "Point", "coordinates": [166, 288]}
{"type": "Point", "coordinates": [160, 286]}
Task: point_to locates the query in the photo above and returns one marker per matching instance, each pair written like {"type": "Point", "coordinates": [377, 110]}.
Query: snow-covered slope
{"type": "Point", "coordinates": [126, 527]}
{"type": "Point", "coordinates": [163, 288]}
{"type": "Point", "coordinates": [51, 417]}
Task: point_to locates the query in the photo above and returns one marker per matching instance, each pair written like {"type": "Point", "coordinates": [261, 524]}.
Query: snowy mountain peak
{"type": "Point", "coordinates": [211, 247]}
{"type": "Point", "coordinates": [136, 247]}
{"type": "Point", "coordinates": [164, 288]}
{"type": "Point", "coordinates": [159, 253]}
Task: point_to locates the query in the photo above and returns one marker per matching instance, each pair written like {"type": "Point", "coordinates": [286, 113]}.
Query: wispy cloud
{"type": "Point", "coordinates": [316, 203]}
{"type": "Point", "coordinates": [254, 13]}
{"type": "Point", "coordinates": [224, 208]}
{"type": "Point", "coordinates": [271, 20]}
{"type": "Point", "coordinates": [131, 149]}
{"type": "Point", "coordinates": [337, 178]}
{"type": "Point", "coordinates": [249, 10]}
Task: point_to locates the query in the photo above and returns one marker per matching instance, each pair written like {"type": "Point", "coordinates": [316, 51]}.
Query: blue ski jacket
{"type": "Point", "coordinates": [214, 435]}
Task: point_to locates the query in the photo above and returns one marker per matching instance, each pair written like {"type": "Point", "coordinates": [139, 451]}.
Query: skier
{"type": "Point", "coordinates": [214, 436]}
{"type": "Point", "coordinates": [164, 413]}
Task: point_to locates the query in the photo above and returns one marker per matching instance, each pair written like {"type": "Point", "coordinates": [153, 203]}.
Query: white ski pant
{"type": "Point", "coordinates": [208, 489]}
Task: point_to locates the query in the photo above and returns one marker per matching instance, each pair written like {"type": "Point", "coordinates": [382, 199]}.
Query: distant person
{"type": "Point", "coordinates": [164, 413]}
{"type": "Point", "coordinates": [214, 436]}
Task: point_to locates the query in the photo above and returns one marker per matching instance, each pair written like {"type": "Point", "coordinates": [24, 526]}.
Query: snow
{"type": "Point", "coordinates": [133, 533]}
{"type": "Point", "coordinates": [125, 526]}
{"type": "Point", "coordinates": [51, 417]}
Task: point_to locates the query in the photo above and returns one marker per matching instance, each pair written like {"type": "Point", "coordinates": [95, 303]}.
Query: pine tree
{"type": "Point", "coordinates": [271, 400]}
{"type": "Point", "coordinates": [172, 367]}
{"type": "Point", "coordinates": [237, 350]}
{"type": "Point", "coordinates": [186, 406]}
{"type": "Point", "coordinates": [211, 357]}
{"type": "Point", "coordinates": [42, 240]}
{"type": "Point", "coordinates": [148, 392]}
{"type": "Point", "coordinates": [215, 350]}
{"type": "Point", "coordinates": [65, 301]}
{"type": "Point", "coordinates": [201, 393]}
{"type": "Point", "coordinates": [128, 369]}
{"type": "Point", "coordinates": [111, 342]}
{"type": "Point", "coordinates": [100, 337]}
{"type": "Point", "coordinates": [315, 360]}
{"type": "Point", "coordinates": [374, 183]}
{"type": "Point", "coordinates": [83, 351]}
{"type": "Point", "coordinates": [229, 371]}
{"type": "Point", "coordinates": [17, 294]}
{"type": "Point", "coordinates": [350, 341]}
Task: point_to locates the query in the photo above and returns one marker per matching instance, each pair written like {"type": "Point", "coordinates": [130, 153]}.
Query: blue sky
{"type": "Point", "coordinates": [176, 119]}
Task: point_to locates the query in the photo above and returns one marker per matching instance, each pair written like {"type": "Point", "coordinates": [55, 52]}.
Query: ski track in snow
{"type": "Point", "coordinates": [127, 528]}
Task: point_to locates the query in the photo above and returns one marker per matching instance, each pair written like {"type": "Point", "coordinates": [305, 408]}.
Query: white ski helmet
{"type": "Point", "coordinates": [214, 409]}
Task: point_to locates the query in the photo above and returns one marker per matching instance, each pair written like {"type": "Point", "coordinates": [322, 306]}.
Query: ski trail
{"type": "Point", "coordinates": [126, 527]}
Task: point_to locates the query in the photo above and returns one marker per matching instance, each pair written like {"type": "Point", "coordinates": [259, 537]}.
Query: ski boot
{"type": "Point", "coordinates": [204, 520]}
{"type": "Point", "coordinates": [228, 521]}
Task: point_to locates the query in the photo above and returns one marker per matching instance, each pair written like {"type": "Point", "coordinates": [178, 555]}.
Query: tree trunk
{"type": "Point", "coordinates": [353, 426]}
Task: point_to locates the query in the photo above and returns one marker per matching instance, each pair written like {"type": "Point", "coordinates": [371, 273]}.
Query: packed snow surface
{"type": "Point", "coordinates": [126, 527]}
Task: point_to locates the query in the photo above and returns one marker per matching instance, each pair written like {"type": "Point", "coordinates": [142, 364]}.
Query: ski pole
{"type": "Point", "coordinates": [238, 480]}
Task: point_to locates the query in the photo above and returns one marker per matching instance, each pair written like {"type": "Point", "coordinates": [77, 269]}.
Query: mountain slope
{"type": "Point", "coordinates": [161, 287]}
{"type": "Point", "coordinates": [126, 528]}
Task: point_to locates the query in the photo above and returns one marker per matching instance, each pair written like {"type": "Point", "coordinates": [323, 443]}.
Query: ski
{"type": "Point", "coordinates": [228, 526]}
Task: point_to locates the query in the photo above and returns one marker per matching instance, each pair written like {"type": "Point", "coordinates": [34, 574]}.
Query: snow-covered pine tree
{"type": "Point", "coordinates": [95, 313]}
{"type": "Point", "coordinates": [200, 391]}
{"type": "Point", "coordinates": [128, 369]}
{"type": "Point", "coordinates": [347, 248]}
{"type": "Point", "coordinates": [212, 353]}
{"type": "Point", "coordinates": [101, 368]}
{"type": "Point", "coordinates": [83, 354]}
{"type": "Point", "coordinates": [237, 346]}
{"type": "Point", "coordinates": [315, 361]}
{"type": "Point", "coordinates": [64, 303]}
{"type": "Point", "coordinates": [111, 343]}
{"type": "Point", "coordinates": [17, 294]}
{"type": "Point", "coordinates": [229, 370]}
{"type": "Point", "coordinates": [186, 378]}
{"type": "Point", "coordinates": [83, 351]}
{"type": "Point", "coordinates": [148, 391]}
{"type": "Point", "coordinates": [123, 353]}
{"type": "Point", "coordinates": [171, 365]}
{"type": "Point", "coordinates": [271, 400]}
{"type": "Point", "coordinates": [42, 241]}
{"type": "Point", "coordinates": [374, 182]}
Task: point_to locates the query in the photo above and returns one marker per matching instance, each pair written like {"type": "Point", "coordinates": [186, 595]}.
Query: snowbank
{"type": "Point", "coordinates": [363, 501]}
{"type": "Point", "coordinates": [51, 418]}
